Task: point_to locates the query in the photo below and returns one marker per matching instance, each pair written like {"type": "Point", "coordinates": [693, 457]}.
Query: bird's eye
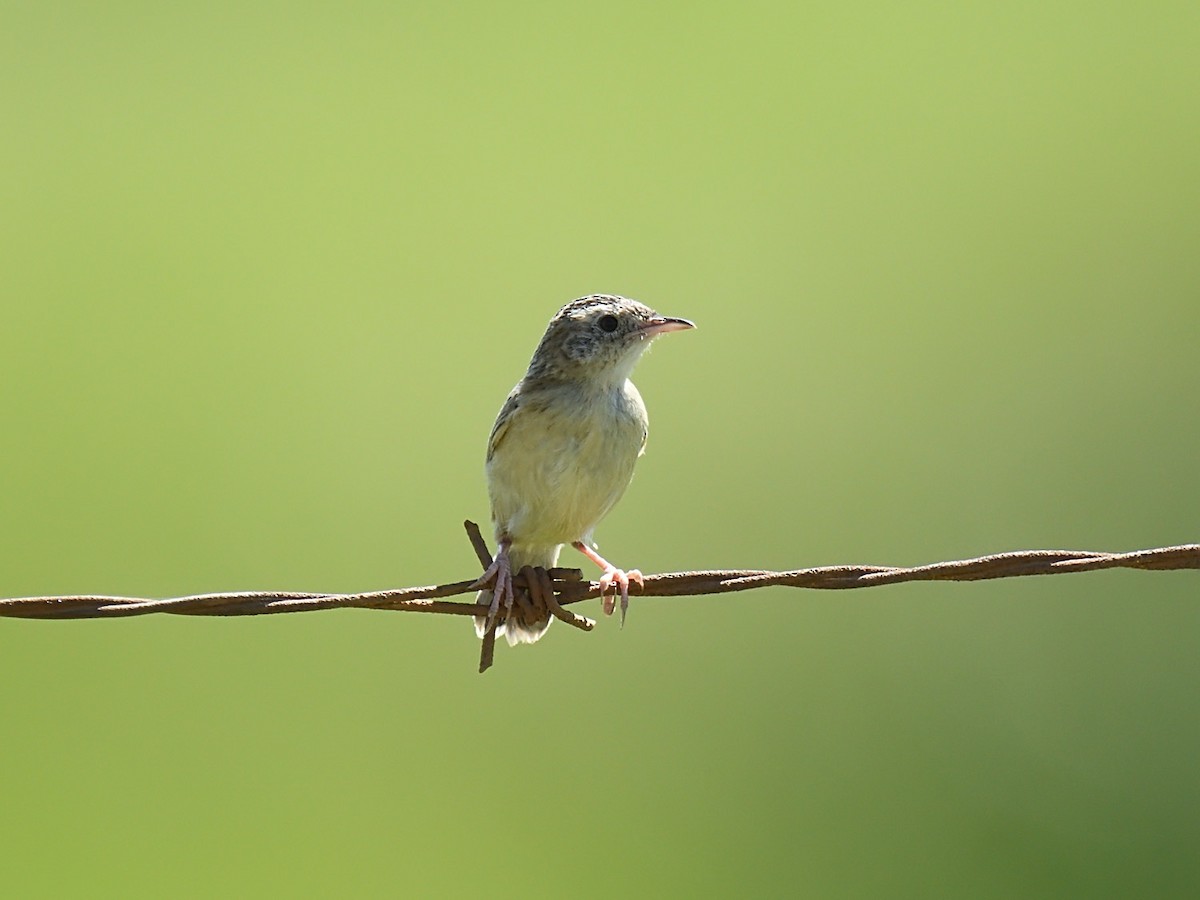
{"type": "Point", "coordinates": [608, 323]}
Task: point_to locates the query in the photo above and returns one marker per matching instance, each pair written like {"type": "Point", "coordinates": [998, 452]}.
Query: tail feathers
{"type": "Point", "coordinates": [519, 626]}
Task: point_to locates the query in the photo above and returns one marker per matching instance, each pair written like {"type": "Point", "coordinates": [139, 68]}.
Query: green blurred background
{"type": "Point", "coordinates": [269, 272]}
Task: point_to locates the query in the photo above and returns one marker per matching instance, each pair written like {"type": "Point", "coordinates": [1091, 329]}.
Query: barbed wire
{"type": "Point", "coordinates": [560, 587]}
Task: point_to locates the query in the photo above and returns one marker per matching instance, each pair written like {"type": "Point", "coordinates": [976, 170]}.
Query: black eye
{"type": "Point", "coordinates": [608, 323]}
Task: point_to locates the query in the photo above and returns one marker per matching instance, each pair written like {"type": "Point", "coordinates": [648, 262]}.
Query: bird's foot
{"type": "Point", "coordinates": [618, 578]}
{"type": "Point", "coordinates": [612, 578]}
{"type": "Point", "coordinates": [502, 591]}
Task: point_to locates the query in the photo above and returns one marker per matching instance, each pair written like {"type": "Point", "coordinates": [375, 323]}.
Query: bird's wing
{"type": "Point", "coordinates": [502, 422]}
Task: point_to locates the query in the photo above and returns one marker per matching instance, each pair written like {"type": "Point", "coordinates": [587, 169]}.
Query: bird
{"type": "Point", "coordinates": [562, 452]}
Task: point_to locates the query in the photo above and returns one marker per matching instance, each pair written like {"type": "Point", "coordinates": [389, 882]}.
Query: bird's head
{"type": "Point", "coordinates": [599, 337]}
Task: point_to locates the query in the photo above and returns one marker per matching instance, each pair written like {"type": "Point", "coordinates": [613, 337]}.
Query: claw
{"type": "Point", "coordinates": [612, 575]}
{"type": "Point", "coordinates": [631, 575]}
{"type": "Point", "coordinates": [502, 590]}
{"type": "Point", "coordinates": [617, 578]}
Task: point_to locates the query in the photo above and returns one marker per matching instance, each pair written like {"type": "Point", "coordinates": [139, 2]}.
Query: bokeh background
{"type": "Point", "coordinates": [269, 272]}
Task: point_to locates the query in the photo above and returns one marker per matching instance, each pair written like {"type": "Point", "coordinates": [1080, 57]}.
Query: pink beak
{"type": "Point", "coordinates": [662, 324]}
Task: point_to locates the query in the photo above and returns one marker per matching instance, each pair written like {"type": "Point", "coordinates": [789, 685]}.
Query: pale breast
{"type": "Point", "coordinates": [562, 460]}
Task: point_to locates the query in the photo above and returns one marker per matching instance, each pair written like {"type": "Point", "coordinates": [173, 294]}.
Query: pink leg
{"type": "Point", "coordinates": [612, 576]}
{"type": "Point", "coordinates": [502, 590]}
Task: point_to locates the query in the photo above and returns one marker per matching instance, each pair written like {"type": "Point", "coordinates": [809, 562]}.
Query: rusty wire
{"type": "Point", "coordinates": [560, 587]}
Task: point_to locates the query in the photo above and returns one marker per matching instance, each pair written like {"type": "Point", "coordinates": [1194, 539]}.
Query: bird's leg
{"type": "Point", "coordinates": [612, 576]}
{"type": "Point", "coordinates": [502, 590]}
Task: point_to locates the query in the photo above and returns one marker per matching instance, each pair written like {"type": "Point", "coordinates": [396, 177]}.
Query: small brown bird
{"type": "Point", "coordinates": [563, 448]}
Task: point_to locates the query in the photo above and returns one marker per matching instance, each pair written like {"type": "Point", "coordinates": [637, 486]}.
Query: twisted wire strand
{"type": "Point", "coordinates": [569, 586]}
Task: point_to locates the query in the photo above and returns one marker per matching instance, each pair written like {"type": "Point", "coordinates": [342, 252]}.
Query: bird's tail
{"type": "Point", "coordinates": [518, 626]}
{"type": "Point", "coordinates": [528, 620]}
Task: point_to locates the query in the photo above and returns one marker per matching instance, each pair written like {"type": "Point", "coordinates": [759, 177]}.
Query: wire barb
{"type": "Point", "coordinates": [558, 587]}
{"type": "Point", "coordinates": [487, 646]}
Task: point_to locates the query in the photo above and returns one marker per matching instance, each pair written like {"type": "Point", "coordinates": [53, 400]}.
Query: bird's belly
{"type": "Point", "coordinates": [556, 476]}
